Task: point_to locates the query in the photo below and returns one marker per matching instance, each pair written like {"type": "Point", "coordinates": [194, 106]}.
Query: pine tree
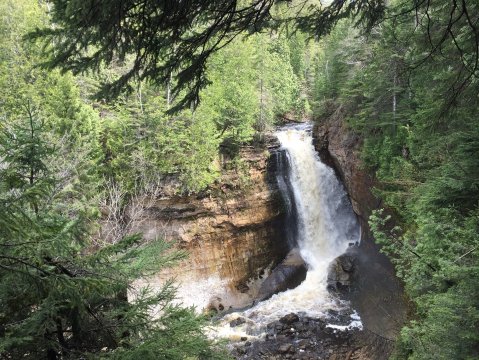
{"type": "Point", "coordinates": [60, 299]}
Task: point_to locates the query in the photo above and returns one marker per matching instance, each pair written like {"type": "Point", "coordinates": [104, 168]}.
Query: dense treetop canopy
{"type": "Point", "coordinates": [176, 37]}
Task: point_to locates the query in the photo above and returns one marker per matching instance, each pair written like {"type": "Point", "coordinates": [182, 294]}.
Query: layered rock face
{"type": "Point", "coordinates": [363, 275]}
{"type": "Point", "coordinates": [339, 147]}
{"type": "Point", "coordinates": [233, 234]}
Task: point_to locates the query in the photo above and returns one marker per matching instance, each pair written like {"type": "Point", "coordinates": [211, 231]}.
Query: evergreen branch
{"type": "Point", "coordinates": [465, 254]}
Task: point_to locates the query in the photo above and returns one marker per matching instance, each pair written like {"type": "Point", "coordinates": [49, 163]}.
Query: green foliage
{"type": "Point", "coordinates": [280, 85]}
{"type": "Point", "coordinates": [421, 141]}
{"type": "Point", "coordinates": [231, 101]}
{"type": "Point", "coordinates": [298, 51]}
{"type": "Point", "coordinates": [409, 88]}
{"type": "Point", "coordinates": [67, 160]}
{"type": "Point", "coordinates": [252, 84]}
{"type": "Point", "coordinates": [439, 264]}
{"type": "Point", "coordinates": [179, 40]}
{"type": "Point", "coordinates": [60, 295]}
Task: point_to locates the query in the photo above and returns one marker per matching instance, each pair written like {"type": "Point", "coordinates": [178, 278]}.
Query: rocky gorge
{"type": "Point", "coordinates": [362, 276]}
{"type": "Point", "coordinates": [240, 253]}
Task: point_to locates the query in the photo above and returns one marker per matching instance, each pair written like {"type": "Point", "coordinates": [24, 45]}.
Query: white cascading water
{"type": "Point", "coordinates": [326, 227]}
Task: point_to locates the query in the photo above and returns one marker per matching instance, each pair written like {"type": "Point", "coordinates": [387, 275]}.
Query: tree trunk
{"type": "Point", "coordinates": [394, 99]}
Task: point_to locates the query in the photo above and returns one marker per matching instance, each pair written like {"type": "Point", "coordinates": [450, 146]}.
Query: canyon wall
{"type": "Point", "coordinates": [233, 232]}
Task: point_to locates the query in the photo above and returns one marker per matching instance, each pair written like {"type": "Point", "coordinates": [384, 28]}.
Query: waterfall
{"type": "Point", "coordinates": [324, 225]}
{"type": "Point", "coordinates": [325, 220]}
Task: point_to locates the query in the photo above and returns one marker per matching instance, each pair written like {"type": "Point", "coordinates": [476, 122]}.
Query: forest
{"type": "Point", "coordinates": [101, 101]}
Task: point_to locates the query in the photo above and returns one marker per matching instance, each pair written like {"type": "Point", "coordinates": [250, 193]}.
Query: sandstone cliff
{"type": "Point", "coordinates": [233, 233]}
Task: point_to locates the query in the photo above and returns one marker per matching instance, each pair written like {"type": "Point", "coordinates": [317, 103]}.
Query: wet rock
{"type": "Point", "coordinates": [287, 275]}
{"type": "Point", "coordinates": [237, 322]}
{"type": "Point", "coordinates": [289, 332]}
{"type": "Point", "coordinates": [341, 272]}
{"type": "Point", "coordinates": [285, 348]}
{"type": "Point", "coordinates": [317, 342]}
{"type": "Point", "coordinates": [241, 350]}
{"type": "Point", "coordinates": [242, 288]}
{"type": "Point", "coordinates": [301, 327]}
{"type": "Point", "coordinates": [289, 319]}
{"type": "Point", "coordinates": [347, 263]}
{"type": "Point", "coordinates": [303, 344]}
{"type": "Point", "coordinates": [308, 334]}
{"type": "Point", "coordinates": [215, 304]}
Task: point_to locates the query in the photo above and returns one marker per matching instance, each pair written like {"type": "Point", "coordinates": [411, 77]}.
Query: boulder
{"type": "Point", "coordinates": [285, 348]}
{"type": "Point", "coordinates": [289, 319]}
{"type": "Point", "coordinates": [215, 304]}
{"type": "Point", "coordinates": [237, 322]}
{"type": "Point", "coordinates": [341, 271]}
{"type": "Point", "coordinates": [287, 275]}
